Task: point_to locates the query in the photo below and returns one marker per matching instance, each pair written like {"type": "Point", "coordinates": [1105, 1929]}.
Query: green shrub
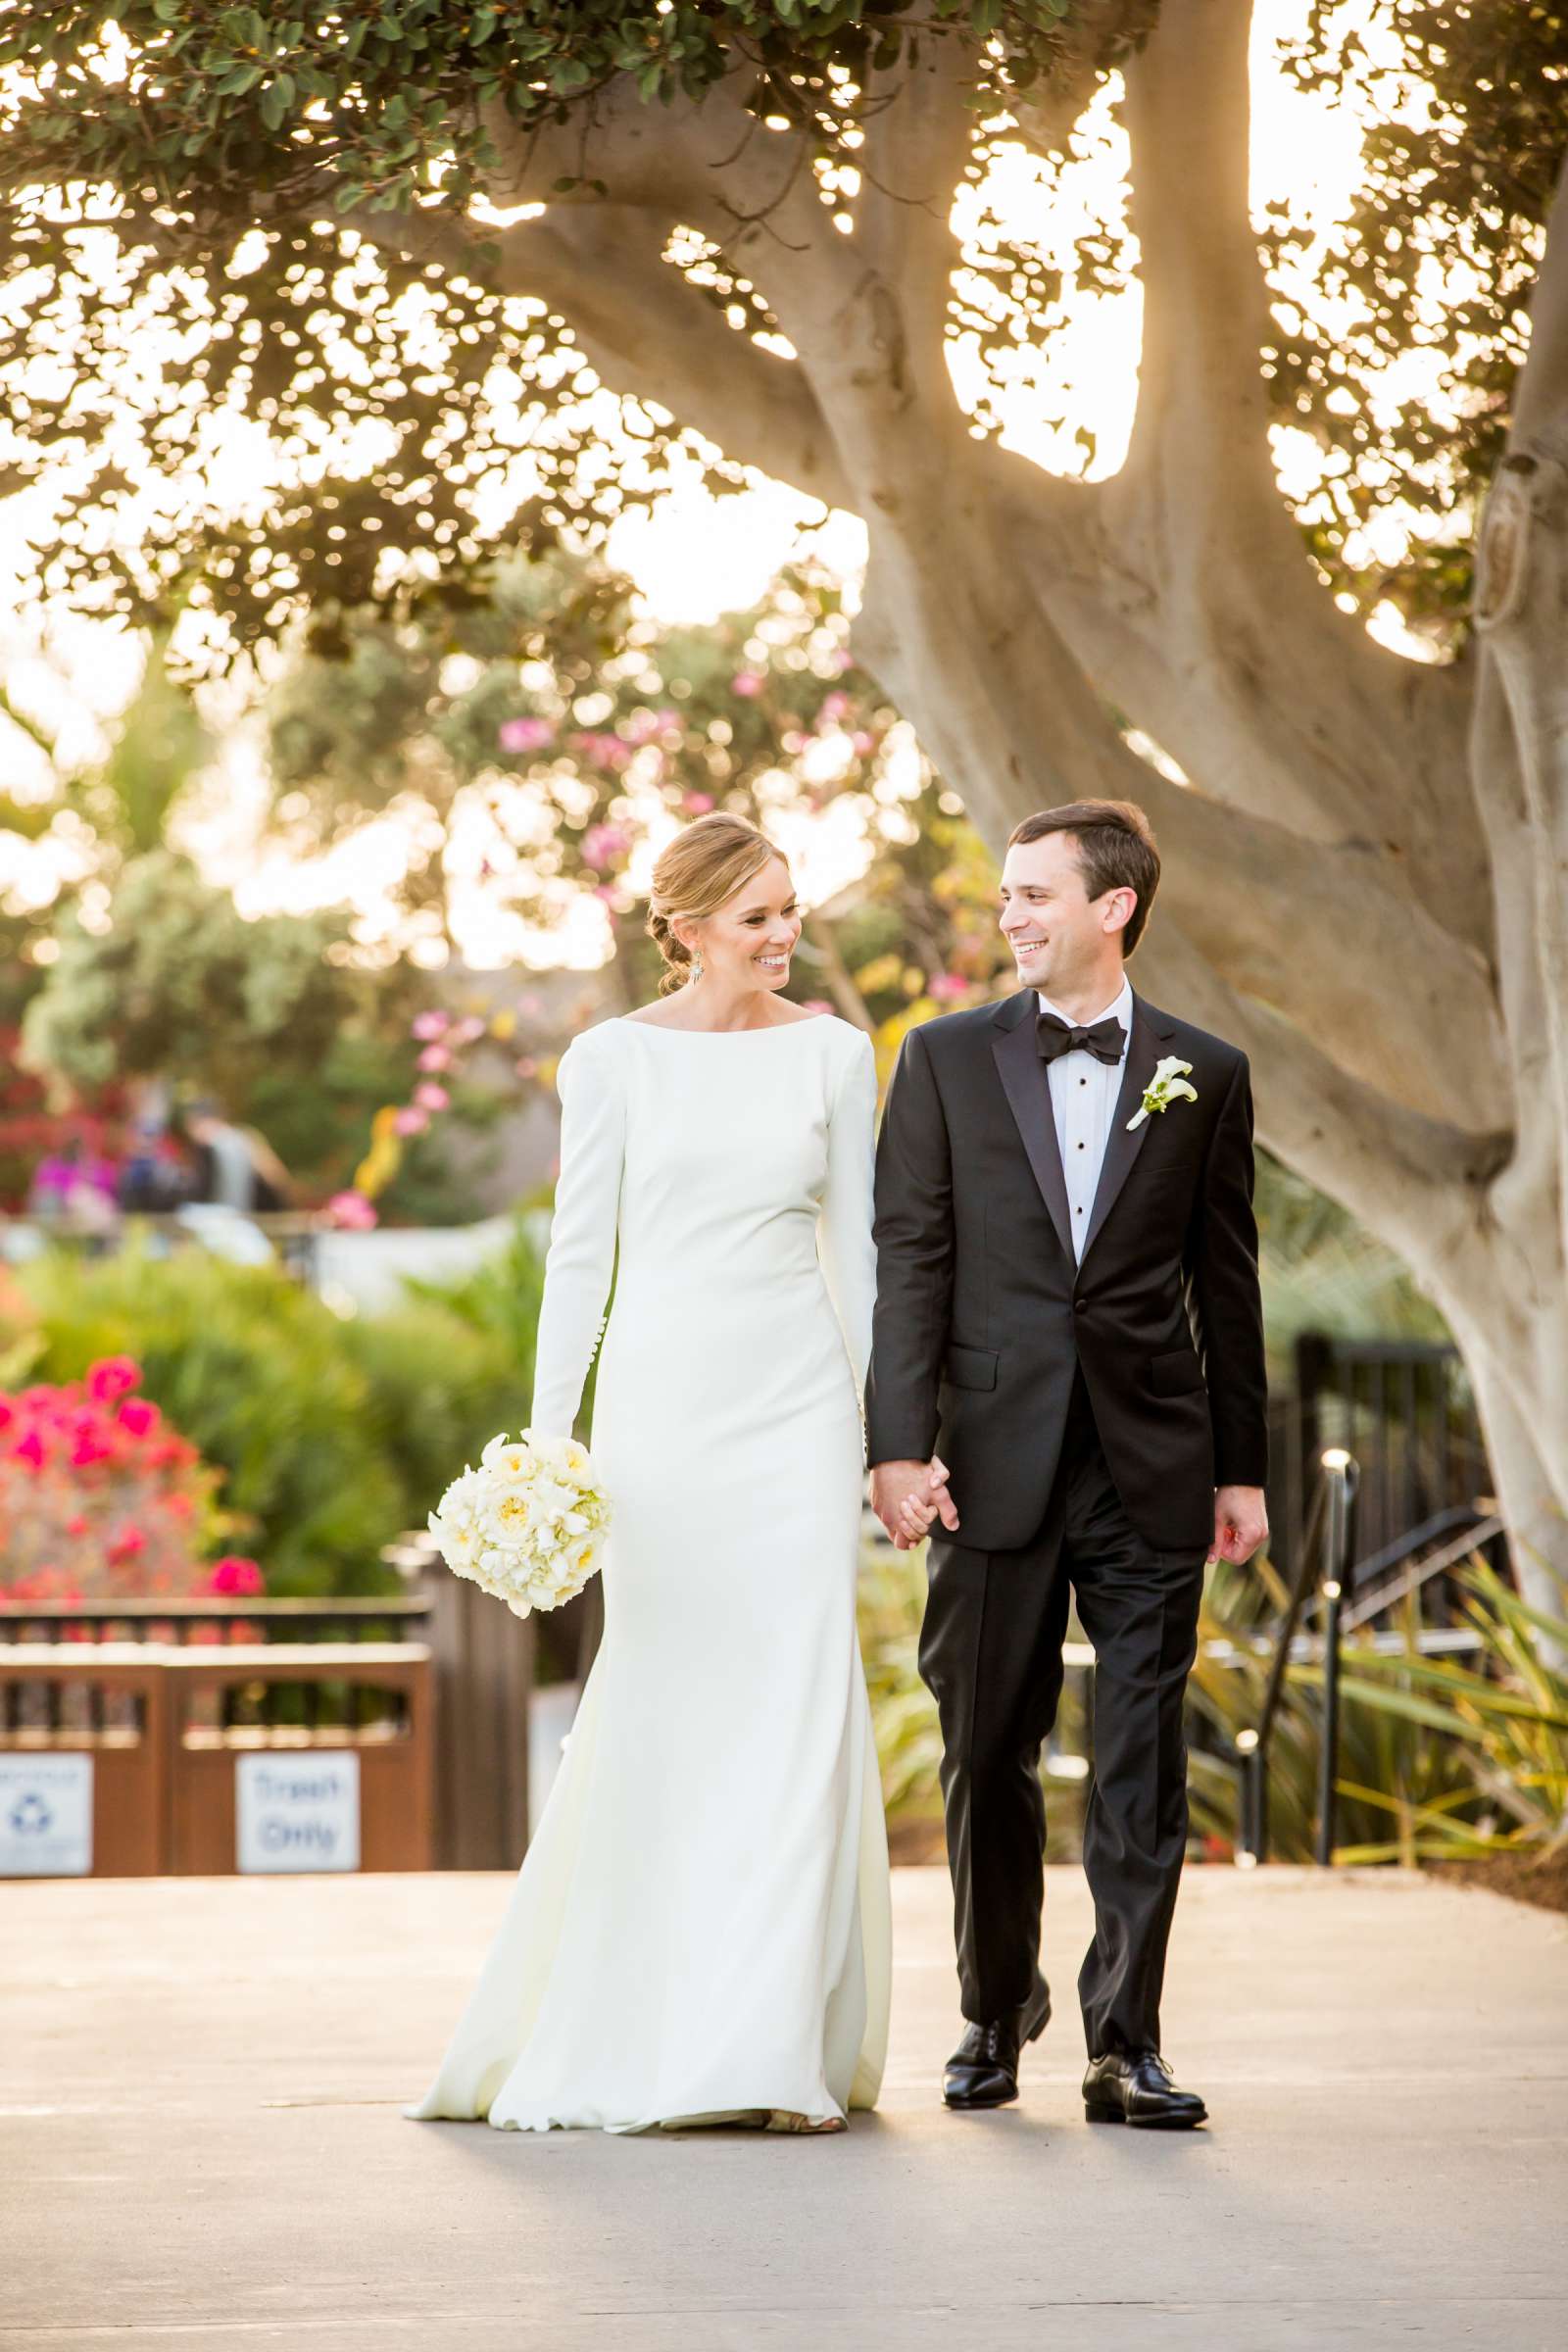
{"type": "Point", "coordinates": [438, 1388]}
{"type": "Point", "coordinates": [334, 1435]}
{"type": "Point", "coordinates": [256, 1372]}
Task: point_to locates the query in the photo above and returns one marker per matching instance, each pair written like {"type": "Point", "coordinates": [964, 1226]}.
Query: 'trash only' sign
{"type": "Point", "coordinates": [297, 1813]}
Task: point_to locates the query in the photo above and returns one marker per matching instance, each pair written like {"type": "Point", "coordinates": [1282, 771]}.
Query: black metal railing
{"type": "Point", "coordinates": [1352, 1596]}
{"type": "Point", "coordinates": [1322, 1560]}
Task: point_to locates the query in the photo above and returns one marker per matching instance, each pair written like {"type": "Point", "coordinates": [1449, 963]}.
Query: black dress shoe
{"type": "Point", "coordinates": [983, 2071]}
{"type": "Point", "coordinates": [1136, 2087]}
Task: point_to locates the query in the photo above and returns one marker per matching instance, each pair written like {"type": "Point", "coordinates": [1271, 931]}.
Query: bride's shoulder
{"type": "Point", "coordinates": [834, 1034]}
{"type": "Point", "coordinates": [849, 1058]}
{"type": "Point", "coordinates": [591, 1040]}
{"type": "Point", "coordinates": [590, 1048]}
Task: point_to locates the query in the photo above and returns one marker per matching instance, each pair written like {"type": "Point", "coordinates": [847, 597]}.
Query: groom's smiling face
{"type": "Point", "coordinates": [1060, 938]}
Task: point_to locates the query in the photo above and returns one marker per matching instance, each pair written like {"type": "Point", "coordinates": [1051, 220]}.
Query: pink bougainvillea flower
{"type": "Point", "coordinates": [137, 1415]}
{"type": "Point", "coordinates": [431, 1096]}
{"type": "Point", "coordinates": [112, 1376]}
{"type": "Point", "coordinates": [603, 843]}
{"type": "Point", "coordinates": [411, 1120]}
{"type": "Point", "coordinates": [31, 1450]}
{"type": "Point", "coordinates": [697, 803]}
{"type": "Point", "coordinates": [233, 1574]}
{"type": "Point", "coordinates": [126, 1542]}
{"type": "Point", "coordinates": [525, 734]}
{"type": "Point", "coordinates": [76, 1525]}
{"type": "Point", "coordinates": [747, 682]}
{"type": "Point", "coordinates": [435, 1057]}
{"type": "Point", "coordinates": [86, 1451]}
{"type": "Point", "coordinates": [947, 986]}
{"type": "Point", "coordinates": [601, 750]}
{"type": "Point", "coordinates": [352, 1210]}
{"type": "Point", "coordinates": [8, 1413]}
{"type": "Point", "coordinates": [427, 1025]}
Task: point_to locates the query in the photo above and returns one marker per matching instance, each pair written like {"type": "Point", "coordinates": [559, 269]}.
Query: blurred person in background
{"type": "Point", "coordinates": [235, 1167]}
{"type": "Point", "coordinates": [79, 1181]}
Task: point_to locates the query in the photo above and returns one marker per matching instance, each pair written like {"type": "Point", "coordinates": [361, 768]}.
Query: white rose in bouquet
{"type": "Point", "coordinates": [528, 1524]}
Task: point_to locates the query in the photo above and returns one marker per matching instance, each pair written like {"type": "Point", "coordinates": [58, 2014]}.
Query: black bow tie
{"type": "Point", "coordinates": [1054, 1037]}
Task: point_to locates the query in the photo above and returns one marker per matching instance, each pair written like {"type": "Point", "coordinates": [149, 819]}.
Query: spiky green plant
{"type": "Point", "coordinates": [1504, 1723]}
{"type": "Point", "coordinates": [1390, 1761]}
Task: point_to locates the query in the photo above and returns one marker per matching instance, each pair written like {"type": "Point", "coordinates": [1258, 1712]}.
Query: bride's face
{"type": "Point", "coordinates": [750, 941]}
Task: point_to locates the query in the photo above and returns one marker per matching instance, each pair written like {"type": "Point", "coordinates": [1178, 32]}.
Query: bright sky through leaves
{"type": "Point", "coordinates": [694, 556]}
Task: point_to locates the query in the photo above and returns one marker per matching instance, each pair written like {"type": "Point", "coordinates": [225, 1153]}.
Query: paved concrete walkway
{"type": "Point", "coordinates": [200, 2144]}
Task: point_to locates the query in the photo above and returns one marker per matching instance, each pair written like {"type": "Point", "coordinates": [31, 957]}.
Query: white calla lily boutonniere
{"type": "Point", "coordinates": [1168, 1085]}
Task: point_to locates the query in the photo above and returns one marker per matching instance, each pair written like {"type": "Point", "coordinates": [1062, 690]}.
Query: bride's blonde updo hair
{"type": "Point", "coordinates": [703, 867]}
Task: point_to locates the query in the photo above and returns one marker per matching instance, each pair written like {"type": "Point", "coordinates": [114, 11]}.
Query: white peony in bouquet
{"type": "Point", "coordinates": [528, 1525]}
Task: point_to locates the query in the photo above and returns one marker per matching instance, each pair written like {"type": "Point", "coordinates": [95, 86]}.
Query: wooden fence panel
{"type": "Point", "coordinates": [161, 1726]}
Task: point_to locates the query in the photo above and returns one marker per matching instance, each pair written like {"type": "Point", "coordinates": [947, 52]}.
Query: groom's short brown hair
{"type": "Point", "coordinates": [1115, 852]}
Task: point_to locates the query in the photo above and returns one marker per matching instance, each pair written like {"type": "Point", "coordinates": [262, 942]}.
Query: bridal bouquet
{"type": "Point", "coordinates": [528, 1525]}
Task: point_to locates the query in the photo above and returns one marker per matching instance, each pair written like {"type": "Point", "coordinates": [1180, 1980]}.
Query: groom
{"type": "Point", "coordinates": [1067, 1371]}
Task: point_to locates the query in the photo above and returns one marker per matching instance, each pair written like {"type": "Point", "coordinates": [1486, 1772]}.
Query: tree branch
{"type": "Point", "coordinates": [1277, 915]}
{"type": "Point", "coordinates": [645, 331]}
{"type": "Point", "coordinates": [1402, 1173]}
{"type": "Point", "coordinates": [1285, 702]}
{"type": "Point", "coordinates": [919, 134]}
{"type": "Point", "coordinates": [1012, 721]}
{"type": "Point", "coordinates": [1521, 744]}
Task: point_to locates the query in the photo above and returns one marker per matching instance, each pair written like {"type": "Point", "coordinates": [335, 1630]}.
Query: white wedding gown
{"type": "Point", "coordinates": [701, 1928]}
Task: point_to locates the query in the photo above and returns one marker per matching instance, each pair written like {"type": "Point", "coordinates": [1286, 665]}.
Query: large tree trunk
{"type": "Point", "coordinates": [1367, 882]}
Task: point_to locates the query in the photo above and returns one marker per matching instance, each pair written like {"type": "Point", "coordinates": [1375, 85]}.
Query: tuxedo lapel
{"type": "Point", "coordinates": [1151, 1031]}
{"type": "Point", "coordinates": [1028, 1091]}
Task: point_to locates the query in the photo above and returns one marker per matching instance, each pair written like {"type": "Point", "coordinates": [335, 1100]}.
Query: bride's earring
{"type": "Point", "coordinates": [697, 965]}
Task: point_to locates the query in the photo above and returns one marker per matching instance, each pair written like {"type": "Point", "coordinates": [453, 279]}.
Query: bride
{"type": "Point", "coordinates": [700, 1930]}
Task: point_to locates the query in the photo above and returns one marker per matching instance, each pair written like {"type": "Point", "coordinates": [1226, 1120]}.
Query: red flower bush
{"type": "Point", "coordinates": [100, 1500]}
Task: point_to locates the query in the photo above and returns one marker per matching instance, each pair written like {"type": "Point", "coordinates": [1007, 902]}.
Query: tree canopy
{"type": "Point", "coordinates": [303, 202]}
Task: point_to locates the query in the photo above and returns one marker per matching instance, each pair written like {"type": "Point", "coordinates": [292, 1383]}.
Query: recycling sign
{"type": "Point", "coordinates": [45, 1816]}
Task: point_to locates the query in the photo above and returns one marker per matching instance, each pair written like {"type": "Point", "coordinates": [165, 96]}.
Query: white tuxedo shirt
{"type": "Point", "coordinates": [1083, 1098]}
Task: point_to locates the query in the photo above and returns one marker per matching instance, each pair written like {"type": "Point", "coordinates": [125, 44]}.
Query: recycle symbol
{"type": "Point", "coordinates": [31, 1812]}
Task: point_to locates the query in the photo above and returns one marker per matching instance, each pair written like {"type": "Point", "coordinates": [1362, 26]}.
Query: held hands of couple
{"type": "Point", "coordinates": [908, 1495]}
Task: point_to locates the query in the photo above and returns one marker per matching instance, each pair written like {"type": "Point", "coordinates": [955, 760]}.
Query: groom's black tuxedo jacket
{"type": "Point", "coordinates": [982, 1313]}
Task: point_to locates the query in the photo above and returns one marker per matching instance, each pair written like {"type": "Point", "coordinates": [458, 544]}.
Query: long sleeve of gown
{"type": "Point", "coordinates": [845, 1244]}
{"type": "Point", "coordinates": [582, 1236]}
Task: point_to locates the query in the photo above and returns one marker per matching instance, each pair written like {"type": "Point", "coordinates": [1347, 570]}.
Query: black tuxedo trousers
{"type": "Point", "coordinates": [991, 1652]}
